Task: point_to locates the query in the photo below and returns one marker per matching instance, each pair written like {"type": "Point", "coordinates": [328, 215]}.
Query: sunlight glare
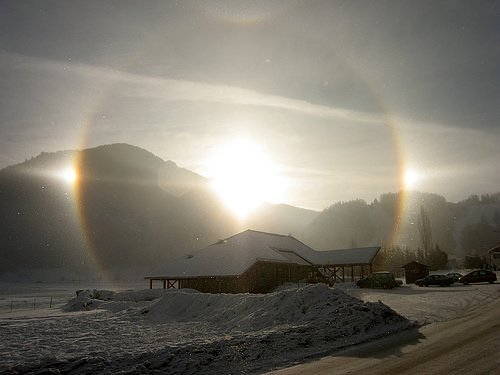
{"type": "Point", "coordinates": [69, 175]}
{"type": "Point", "coordinates": [411, 178]}
{"type": "Point", "coordinates": [244, 177]}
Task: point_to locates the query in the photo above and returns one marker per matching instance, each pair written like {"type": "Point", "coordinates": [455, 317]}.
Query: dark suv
{"type": "Point", "coordinates": [383, 280]}
{"type": "Point", "coordinates": [479, 276]}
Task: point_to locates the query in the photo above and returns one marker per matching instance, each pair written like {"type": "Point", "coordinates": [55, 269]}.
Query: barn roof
{"type": "Point", "coordinates": [236, 254]}
{"type": "Point", "coordinates": [344, 257]}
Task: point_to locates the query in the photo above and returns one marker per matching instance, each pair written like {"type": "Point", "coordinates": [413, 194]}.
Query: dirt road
{"type": "Point", "coordinates": [466, 345]}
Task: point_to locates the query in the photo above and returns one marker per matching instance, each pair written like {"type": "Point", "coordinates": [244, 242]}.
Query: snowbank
{"type": "Point", "coordinates": [109, 300]}
{"type": "Point", "coordinates": [184, 331]}
{"type": "Point", "coordinates": [311, 304]}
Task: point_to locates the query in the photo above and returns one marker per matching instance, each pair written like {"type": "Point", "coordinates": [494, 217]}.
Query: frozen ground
{"type": "Point", "coordinates": [189, 332]}
{"type": "Point", "coordinates": [25, 297]}
{"type": "Point", "coordinates": [430, 304]}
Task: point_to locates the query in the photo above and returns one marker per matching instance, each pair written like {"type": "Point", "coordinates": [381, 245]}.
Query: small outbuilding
{"type": "Point", "coordinates": [257, 262]}
{"type": "Point", "coordinates": [414, 271]}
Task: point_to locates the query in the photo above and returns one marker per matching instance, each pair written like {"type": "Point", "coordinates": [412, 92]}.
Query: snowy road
{"type": "Point", "coordinates": [464, 344]}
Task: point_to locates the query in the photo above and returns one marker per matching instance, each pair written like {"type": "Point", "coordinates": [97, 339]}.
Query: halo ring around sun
{"type": "Point", "coordinates": [89, 123]}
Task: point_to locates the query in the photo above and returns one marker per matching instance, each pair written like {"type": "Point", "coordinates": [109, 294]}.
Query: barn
{"type": "Point", "coordinates": [257, 262]}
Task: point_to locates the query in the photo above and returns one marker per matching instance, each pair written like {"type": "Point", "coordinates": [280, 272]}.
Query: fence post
{"type": "Point", "coordinates": [11, 303]}
{"type": "Point", "coordinates": [33, 304]}
{"type": "Point", "coordinates": [50, 304]}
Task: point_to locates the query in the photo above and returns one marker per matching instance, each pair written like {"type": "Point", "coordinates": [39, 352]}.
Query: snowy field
{"type": "Point", "coordinates": [143, 331]}
{"type": "Point", "coordinates": [426, 305]}
{"type": "Point", "coordinates": [35, 296]}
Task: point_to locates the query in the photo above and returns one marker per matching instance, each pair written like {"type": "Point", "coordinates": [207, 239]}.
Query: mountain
{"type": "Point", "coordinates": [122, 215]}
{"type": "Point", "coordinates": [128, 211]}
{"type": "Point", "coordinates": [281, 218]}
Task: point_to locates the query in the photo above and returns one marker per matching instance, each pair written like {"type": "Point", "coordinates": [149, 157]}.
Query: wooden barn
{"type": "Point", "coordinates": [257, 262]}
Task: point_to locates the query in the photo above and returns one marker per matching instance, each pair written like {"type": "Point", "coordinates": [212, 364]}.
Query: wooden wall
{"type": "Point", "coordinates": [262, 277]}
{"type": "Point", "coordinates": [265, 276]}
{"type": "Point", "coordinates": [217, 284]}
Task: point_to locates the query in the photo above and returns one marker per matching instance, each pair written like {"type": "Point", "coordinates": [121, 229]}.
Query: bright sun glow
{"type": "Point", "coordinates": [69, 175]}
{"type": "Point", "coordinates": [411, 178]}
{"type": "Point", "coordinates": [244, 177]}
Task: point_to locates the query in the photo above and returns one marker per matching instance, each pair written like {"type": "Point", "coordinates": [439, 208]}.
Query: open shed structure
{"type": "Point", "coordinates": [345, 264]}
{"type": "Point", "coordinates": [257, 262]}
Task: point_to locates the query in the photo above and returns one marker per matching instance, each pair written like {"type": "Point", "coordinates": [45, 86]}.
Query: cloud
{"type": "Point", "coordinates": [169, 89]}
{"type": "Point", "coordinates": [328, 151]}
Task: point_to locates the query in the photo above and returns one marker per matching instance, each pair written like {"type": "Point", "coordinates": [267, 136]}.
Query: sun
{"type": "Point", "coordinates": [244, 177]}
{"type": "Point", "coordinates": [69, 175]}
{"type": "Point", "coordinates": [411, 178]}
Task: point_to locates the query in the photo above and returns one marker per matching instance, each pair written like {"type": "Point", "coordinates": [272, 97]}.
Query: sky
{"type": "Point", "coordinates": [343, 98]}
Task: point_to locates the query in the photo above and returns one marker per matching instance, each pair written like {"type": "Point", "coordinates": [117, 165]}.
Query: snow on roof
{"type": "Point", "coordinates": [294, 258]}
{"type": "Point", "coordinates": [345, 257]}
{"type": "Point", "coordinates": [234, 255]}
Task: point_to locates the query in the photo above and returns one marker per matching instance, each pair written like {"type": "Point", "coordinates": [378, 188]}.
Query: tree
{"type": "Point", "coordinates": [477, 238]}
{"type": "Point", "coordinates": [393, 257]}
{"type": "Point", "coordinates": [424, 231]}
{"type": "Point", "coordinates": [437, 258]}
{"type": "Point", "coordinates": [475, 261]}
{"type": "Point", "coordinates": [496, 221]}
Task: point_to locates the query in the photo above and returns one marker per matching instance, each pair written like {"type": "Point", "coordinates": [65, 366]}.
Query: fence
{"type": "Point", "coordinates": [32, 303]}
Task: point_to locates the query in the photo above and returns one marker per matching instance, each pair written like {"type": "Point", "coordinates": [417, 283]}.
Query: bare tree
{"type": "Point", "coordinates": [424, 231]}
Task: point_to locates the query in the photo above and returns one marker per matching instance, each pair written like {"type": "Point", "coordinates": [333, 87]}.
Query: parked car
{"type": "Point", "coordinates": [479, 276]}
{"type": "Point", "coordinates": [383, 280]}
{"type": "Point", "coordinates": [441, 280]}
{"type": "Point", "coordinates": [454, 276]}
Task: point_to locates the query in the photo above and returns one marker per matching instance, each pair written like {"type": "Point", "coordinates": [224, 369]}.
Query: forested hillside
{"type": "Point", "coordinates": [412, 221]}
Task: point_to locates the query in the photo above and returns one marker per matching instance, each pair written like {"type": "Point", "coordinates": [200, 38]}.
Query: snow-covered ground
{"type": "Point", "coordinates": [430, 304]}
{"type": "Point", "coordinates": [185, 331]}
{"type": "Point", "coordinates": [17, 296]}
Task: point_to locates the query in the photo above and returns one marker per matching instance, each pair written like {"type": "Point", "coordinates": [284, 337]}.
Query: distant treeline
{"type": "Point", "coordinates": [426, 227]}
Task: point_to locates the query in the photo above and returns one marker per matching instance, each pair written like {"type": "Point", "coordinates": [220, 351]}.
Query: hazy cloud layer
{"type": "Point", "coordinates": [340, 94]}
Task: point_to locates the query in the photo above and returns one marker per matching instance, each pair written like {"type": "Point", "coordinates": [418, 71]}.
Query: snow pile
{"type": "Point", "coordinates": [184, 331]}
{"type": "Point", "coordinates": [311, 305]}
{"type": "Point", "coordinates": [109, 300]}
